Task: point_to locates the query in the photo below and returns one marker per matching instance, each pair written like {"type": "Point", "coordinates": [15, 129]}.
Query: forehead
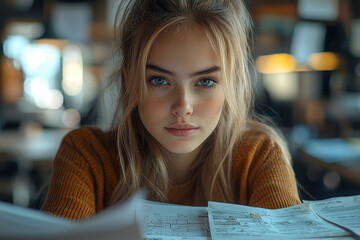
{"type": "Point", "coordinates": [188, 46]}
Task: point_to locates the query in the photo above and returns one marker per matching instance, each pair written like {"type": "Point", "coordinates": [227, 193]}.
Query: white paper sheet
{"type": "Point", "coordinates": [230, 221]}
{"type": "Point", "coordinates": [22, 223]}
{"type": "Point", "coordinates": [168, 221]}
{"type": "Point", "coordinates": [344, 211]}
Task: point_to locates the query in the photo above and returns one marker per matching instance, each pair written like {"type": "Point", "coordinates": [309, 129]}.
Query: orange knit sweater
{"type": "Point", "coordinates": [86, 171]}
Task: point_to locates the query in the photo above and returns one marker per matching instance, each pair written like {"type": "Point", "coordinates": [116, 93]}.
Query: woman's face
{"type": "Point", "coordinates": [185, 90]}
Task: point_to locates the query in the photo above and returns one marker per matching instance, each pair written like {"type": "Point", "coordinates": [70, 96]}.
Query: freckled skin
{"type": "Point", "coordinates": [182, 98]}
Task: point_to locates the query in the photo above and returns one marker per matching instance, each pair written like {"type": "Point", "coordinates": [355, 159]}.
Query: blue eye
{"type": "Point", "coordinates": [158, 81]}
{"type": "Point", "coordinates": [206, 82]}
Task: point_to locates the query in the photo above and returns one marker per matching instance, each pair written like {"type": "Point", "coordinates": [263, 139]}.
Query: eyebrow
{"type": "Point", "coordinates": [202, 72]}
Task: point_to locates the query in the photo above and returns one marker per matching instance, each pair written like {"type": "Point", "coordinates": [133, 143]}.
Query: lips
{"type": "Point", "coordinates": [181, 130]}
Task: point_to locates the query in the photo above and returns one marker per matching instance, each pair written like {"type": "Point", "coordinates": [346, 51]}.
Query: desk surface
{"type": "Point", "coordinates": [340, 155]}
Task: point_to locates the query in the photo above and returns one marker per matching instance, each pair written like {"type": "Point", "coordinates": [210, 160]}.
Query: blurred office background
{"type": "Point", "coordinates": [53, 68]}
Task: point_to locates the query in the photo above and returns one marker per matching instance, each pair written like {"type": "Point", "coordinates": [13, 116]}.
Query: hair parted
{"type": "Point", "coordinates": [228, 27]}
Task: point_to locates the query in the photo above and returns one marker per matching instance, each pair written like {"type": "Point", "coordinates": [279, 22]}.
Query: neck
{"type": "Point", "coordinates": [182, 166]}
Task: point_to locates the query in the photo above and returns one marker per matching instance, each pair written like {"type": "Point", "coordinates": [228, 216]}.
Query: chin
{"type": "Point", "coordinates": [181, 149]}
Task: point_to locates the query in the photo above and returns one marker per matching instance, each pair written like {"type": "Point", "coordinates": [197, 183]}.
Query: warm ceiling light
{"type": "Point", "coordinates": [323, 61]}
{"type": "Point", "coordinates": [276, 63]}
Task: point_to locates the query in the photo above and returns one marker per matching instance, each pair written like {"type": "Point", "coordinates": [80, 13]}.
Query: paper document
{"type": "Point", "coordinates": [22, 223]}
{"type": "Point", "coordinates": [335, 218]}
{"type": "Point", "coordinates": [170, 221]}
{"type": "Point", "coordinates": [230, 221]}
{"type": "Point", "coordinates": [344, 211]}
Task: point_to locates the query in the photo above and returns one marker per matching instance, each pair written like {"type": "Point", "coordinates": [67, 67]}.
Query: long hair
{"type": "Point", "coordinates": [143, 163]}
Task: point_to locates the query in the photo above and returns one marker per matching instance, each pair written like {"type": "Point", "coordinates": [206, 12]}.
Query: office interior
{"type": "Point", "coordinates": [55, 57]}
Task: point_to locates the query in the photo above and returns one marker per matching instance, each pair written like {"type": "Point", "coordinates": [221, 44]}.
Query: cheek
{"type": "Point", "coordinates": [152, 107]}
{"type": "Point", "coordinates": [211, 108]}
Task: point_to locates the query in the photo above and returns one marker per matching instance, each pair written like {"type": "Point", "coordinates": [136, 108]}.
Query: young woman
{"type": "Point", "coordinates": [185, 128]}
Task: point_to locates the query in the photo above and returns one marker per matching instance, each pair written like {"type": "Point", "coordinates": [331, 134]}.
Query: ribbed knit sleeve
{"type": "Point", "coordinates": [260, 176]}
{"type": "Point", "coordinates": [84, 175]}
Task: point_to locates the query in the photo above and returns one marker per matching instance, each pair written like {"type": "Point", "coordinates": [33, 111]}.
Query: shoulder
{"type": "Point", "coordinates": [256, 149]}
{"type": "Point", "coordinates": [88, 136]}
{"type": "Point", "coordinates": [88, 143]}
{"type": "Point", "coordinates": [87, 133]}
{"type": "Point", "coordinates": [85, 171]}
{"type": "Point", "coordinates": [254, 141]}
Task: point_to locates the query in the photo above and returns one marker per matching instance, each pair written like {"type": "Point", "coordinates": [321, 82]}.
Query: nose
{"type": "Point", "coordinates": [182, 105]}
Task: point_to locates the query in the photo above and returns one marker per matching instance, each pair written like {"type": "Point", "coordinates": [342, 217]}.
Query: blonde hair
{"type": "Point", "coordinates": [227, 25]}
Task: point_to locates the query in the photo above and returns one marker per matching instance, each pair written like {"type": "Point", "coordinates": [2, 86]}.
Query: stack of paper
{"type": "Point", "coordinates": [336, 218]}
